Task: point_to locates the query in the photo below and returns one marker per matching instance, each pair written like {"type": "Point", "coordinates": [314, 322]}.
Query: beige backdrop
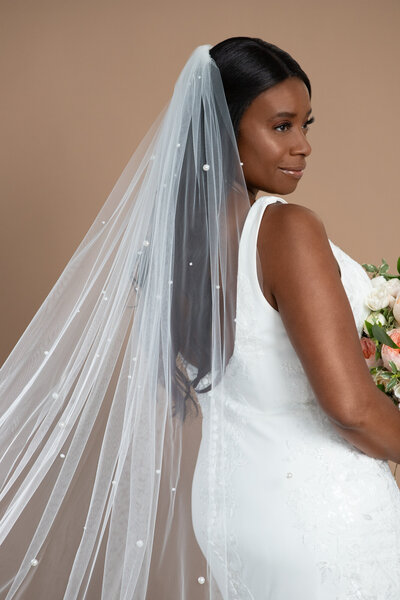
{"type": "Point", "coordinates": [82, 81]}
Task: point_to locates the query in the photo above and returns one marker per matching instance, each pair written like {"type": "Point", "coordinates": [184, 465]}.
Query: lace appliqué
{"type": "Point", "coordinates": [334, 491]}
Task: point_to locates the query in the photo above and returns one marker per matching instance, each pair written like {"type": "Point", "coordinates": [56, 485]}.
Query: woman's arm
{"type": "Point", "coordinates": [300, 269]}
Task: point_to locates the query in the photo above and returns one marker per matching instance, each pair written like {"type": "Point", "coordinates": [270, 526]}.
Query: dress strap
{"type": "Point", "coordinates": [248, 284]}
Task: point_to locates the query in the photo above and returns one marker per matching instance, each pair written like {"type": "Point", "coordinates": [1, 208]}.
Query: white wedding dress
{"type": "Point", "coordinates": [310, 516]}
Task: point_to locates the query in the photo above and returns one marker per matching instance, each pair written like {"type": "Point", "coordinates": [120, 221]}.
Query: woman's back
{"type": "Point", "coordinates": [308, 514]}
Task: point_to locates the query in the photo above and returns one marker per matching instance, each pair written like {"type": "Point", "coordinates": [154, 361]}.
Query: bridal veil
{"type": "Point", "coordinates": [100, 421]}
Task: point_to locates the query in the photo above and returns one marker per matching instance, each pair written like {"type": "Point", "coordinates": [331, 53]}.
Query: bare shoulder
{"type": "Point", "coordinates": [290, 215]}
{"type": "Point", "coordinates": [288, 232]}
{"type": "Point", "coordinates": [303, 277]}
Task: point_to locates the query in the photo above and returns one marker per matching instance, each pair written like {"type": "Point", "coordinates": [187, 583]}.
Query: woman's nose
{"type": "Point", "coordinates": [301, 145]}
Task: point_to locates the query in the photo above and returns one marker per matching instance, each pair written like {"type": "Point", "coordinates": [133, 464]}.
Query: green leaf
{"type": "Point", "coordinates": [398, 265]}
{"type": "Point", "coordinates": [372, 268]}
{"type": "Point", "coordinates": [380, 334]}
{"type": "Point", "coordinates": [391, 385]}
{"type": "Point", "coordinates": [384, 267]}
{"type": "Point", "coordinates": [393, 366]}
{"type": "Point", "coordinates": [368, 325]}
{"type": "Point", "coordinates": [381, 386]}
{"type": "Point", "coordinates": [386, 375]}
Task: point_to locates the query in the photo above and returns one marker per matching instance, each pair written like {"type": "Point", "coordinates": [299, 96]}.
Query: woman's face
{"type": "Point", "coordinates": [270, 143]}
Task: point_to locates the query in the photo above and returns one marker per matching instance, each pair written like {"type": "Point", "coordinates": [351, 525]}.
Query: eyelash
{"type": "Point", "coordinates": [288, 123]}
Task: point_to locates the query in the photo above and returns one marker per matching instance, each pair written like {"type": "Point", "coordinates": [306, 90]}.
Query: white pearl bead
{"type": "Point", "coordinates": [178, 145]}
{"type": "Point", "coordinates": [61, 424]}
{"type": "Point", "coordinates": [105, 298]}
{"type": "Point", "coordinates": [134, 359]}
{"type": "Point", "coordinates": [218, 287]}
{"type": "Point", "coordinates": [139, 543]}
{"type": "Point", "coordinates": [190, 264]}
{"type": "Point", "coordinates": [146, 242]}
{"type": "Point", "coordinates": [170, 282]}
{"type": "Point", "coordinates": [241, 163]}
{"type": "Point", "coordinates": [198, 76]}
{"type": "Point", "coordinates": [289, 475]}
{"type": "Point", "coordinates": [62, 455]}
{"type": "Point", "coordinates": [206, 167]}
{"type": "Point", "coordinates": [114, 482]}
{"type": "Point", "coordinates": [152, 157]}
{"type": "Point", "coordinates": [34, 562]}
{"type": "Point", "coordinates": [46, 352]}
{"type": "Point", "coordinates": [129, 376]}
{"type": "Point", "coordinates": [97, 355]}
{"type": "Point", "coordinates": [158, 471]}
{"type": "Point", "coordinates": [103, 222]}
{"type": "Point", "coordinates": [55, 395]}
{"type": "Point", "coordinates": [173, 490]}
{"type": "Point", "coordinates": [201, 579]}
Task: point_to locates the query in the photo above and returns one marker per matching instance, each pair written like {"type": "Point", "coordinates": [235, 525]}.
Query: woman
{"type": "Point", "coordinates": [165, 430]}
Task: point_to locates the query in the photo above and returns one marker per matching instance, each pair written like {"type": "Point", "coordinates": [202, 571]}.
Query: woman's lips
{"type": "Point", "coordinates": [296, 174]}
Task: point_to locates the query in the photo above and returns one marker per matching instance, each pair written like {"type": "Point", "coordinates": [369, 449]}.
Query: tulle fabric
{"type": "Point", "coordinates": [96, 459]}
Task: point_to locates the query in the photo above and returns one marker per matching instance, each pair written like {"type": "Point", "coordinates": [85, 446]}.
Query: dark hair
{"type": "Point", "coordinates": [248, 66]}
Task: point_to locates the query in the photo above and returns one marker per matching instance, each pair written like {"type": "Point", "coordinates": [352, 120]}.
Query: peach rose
{"type": "Point", "coordinates": [368, 347]}
{"type": "Point", "coordinates": [389, 353]}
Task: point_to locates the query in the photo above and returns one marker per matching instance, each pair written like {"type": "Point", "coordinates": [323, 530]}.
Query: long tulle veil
{"type": "Point", "coordinates": [109, 391]}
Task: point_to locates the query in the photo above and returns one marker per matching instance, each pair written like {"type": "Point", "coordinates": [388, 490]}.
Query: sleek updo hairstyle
{"type": "Point", "coordinates": [249, 66]}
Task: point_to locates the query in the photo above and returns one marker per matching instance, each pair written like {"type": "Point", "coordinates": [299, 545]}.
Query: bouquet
{"type": "Point", "coordinates": [380, 340]}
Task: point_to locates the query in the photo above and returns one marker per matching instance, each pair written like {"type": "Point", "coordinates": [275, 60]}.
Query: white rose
{"type": "Point", "coordinates": [396, 308]}
{"type": "Point", "coordinates": [393, 286]}
{"type": "Point", "coordinates": [377, 281]}
{"type": "Point", "coordinates": [396, 391]}
{"type": "Point", "coordinates": [378, 297]}
{"type": "Point", "coordinates": [375, 318]}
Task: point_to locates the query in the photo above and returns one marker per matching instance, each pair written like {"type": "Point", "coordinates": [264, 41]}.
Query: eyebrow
{"type": "Point", "coordinates": [286, 114]}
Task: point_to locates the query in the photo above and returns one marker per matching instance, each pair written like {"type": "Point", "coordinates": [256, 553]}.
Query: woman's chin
{"type": "Point", "coordinates": [280, 190]}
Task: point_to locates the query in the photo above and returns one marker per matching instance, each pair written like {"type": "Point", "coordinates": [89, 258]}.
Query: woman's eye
{"type": "Point", "coordinates": [307, 123]}
{"type": "Point", "coordinates": [288, 124]}
{"type": "Point", "coordinates": [282, 125]}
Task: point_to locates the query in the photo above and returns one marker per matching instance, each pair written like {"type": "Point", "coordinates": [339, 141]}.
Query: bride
{"type": "Point", "coordinates": [189, 414]}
